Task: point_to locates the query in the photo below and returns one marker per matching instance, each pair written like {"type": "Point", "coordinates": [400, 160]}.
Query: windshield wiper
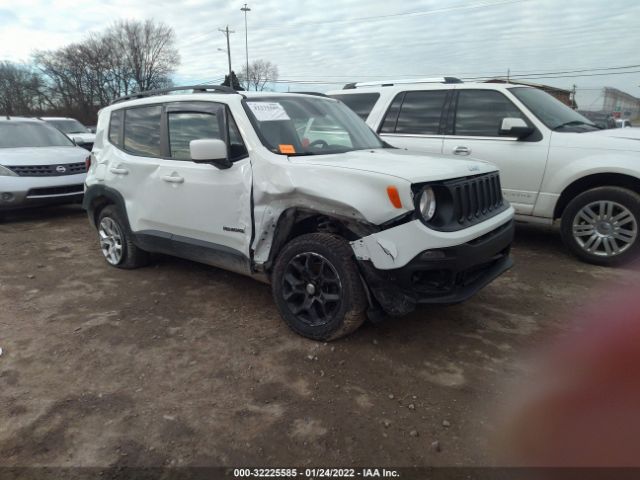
{"type": "Point", "coordinates": [572, 123]}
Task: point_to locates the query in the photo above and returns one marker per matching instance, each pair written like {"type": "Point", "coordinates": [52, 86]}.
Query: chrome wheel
{"type": "Point", "coordinates": [110, 240]}
{"type": "Point", "coordinates": [312, 288]}
{"type": "Point", "coordinates": [605, 228]}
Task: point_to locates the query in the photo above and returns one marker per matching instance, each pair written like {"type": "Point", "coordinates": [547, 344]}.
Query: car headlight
{"type": "Point", "coordinates": [426, 203]}
{"type": "Point", "coordinates": [5, 172]}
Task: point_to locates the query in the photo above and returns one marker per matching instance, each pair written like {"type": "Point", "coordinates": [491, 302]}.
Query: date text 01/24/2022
{"type": "Point", "coordinates": [313, 473]}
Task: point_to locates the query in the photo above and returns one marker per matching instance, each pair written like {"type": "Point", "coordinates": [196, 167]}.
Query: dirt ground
{"type": "Point", "coordinates": [183, 364]}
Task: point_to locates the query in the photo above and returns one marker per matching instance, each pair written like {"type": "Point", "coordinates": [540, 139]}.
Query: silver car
{"type": "Point", "coordinates": [39, 165]}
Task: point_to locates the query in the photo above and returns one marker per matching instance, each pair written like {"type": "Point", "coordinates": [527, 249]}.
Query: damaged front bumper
{"type": "Point", "coordinates": [445, 275]}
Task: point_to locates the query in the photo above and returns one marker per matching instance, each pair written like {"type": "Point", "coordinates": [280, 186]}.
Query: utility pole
{"type": "Point", "coordinates": [226, 32]}
{"type": "Point", "coordinates": [246, 9]}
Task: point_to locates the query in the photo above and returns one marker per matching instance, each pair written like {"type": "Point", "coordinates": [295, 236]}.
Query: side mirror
{"type": "Point", "coordinates": [515, 127]}
{"type": "Point", "coordinates": [209, 150]}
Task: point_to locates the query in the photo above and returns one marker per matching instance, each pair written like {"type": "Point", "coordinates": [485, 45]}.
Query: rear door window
{"type": "Point", "coordinates": [418, 113]}
{"type": "Point", "coordinates": [142, 131]}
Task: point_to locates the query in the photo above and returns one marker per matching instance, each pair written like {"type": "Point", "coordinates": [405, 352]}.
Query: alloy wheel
{"type": "Point", "coordinates": [110, 240]}
{"type": "Point", "coordinates": [312, 289]}
{"type": "Point", "coordinates": [605, 228]}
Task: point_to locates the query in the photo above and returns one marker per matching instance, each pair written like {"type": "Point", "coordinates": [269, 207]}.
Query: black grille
{"type": "Point", "coordinates": [476, 197]}
{"type": "Point", "coordinates": [67, 189]}
{"type": "Point", "coordinates": [466, 201]}
{"type": "Point", "coordinates": [49, 170]}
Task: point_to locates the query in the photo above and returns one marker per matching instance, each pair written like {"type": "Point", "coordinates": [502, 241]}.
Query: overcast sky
{"type": "Point", "coordinates": [341, 41]}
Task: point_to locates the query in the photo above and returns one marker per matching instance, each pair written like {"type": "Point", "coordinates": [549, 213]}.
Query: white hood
{"type": "Point", "coordinates": [630, 133]}
{"type": "Point", "coordinates": [412, 167]}
{"type": "Point", "coordinates": [42, 155]}
{"type": "Point", "coordinates": [615, 139]}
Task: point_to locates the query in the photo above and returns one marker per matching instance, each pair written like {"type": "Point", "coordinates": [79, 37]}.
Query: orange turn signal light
{"type": "Point", "coordinates": [394, 196]}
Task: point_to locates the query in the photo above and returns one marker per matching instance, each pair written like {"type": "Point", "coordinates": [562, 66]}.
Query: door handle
{"type": "Point", "coordinates": [173, 179]}
{"type": "Point", "coordinates": [462, 151]}
{"type": "Point", "coordinates": [119, 171]}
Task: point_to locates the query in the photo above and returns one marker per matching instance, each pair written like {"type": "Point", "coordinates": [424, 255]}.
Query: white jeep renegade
{"type": "Point", "coordinates": [297, 191]}
{"type": "Point", "coordinates": [554, 163]}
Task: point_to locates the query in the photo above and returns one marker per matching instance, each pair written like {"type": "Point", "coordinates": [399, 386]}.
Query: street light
{"type": "Point", "coordinates": [246, 9]}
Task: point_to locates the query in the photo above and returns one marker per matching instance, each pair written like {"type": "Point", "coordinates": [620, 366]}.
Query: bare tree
{"type": "Point", "coordinates": [129, 56]}
{"type": "Point", "coordinates": [147, 52]}
{"type": "Point", "coordinates": [19, 90]}
{"type": "Point", "coordinates": [261, 72]}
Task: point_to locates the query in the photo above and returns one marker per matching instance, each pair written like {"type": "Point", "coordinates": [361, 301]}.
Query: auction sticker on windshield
{"type": "Point", "coordinates": [268, 111]}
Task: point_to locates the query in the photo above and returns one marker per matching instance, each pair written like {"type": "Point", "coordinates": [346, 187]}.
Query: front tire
{"type": "Point", "coordinates": [600, 226]}
{"type": "Point", "coordinates": [317, 287]}
{"type": "Point", "coordinates": [116, 242]}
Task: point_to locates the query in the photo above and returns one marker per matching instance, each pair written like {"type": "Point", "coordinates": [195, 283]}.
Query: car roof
{"type": "Point", "coordinates": [405, 87]}
{"type": "Point", "coordinates": [9, 118]}
{"type": "Point", "coordinates": [57, 118]}
{"type": "Point", "coordinates": [227, 98]}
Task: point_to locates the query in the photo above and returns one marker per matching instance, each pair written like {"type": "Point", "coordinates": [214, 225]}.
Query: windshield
{"type": "Point", "coordinates": [69, 126]}
{"type": "Point", "coordinates": [309, 126]}
{"type": "Point", "coordinates": [553, 113]}
{"type": "Point", "coordinates": [31, 134]}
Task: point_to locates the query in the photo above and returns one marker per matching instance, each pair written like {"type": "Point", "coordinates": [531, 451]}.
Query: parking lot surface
{"type": "Point", "coordinates": [183, 364]}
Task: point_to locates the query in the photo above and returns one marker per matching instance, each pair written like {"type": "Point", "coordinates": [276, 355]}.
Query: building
{"type": "Point", "coordinates": [609, 101]}
{"type": "Point", "coordinates": [565, 96]}
{"type": "Point", "coordinates": [619, 103]}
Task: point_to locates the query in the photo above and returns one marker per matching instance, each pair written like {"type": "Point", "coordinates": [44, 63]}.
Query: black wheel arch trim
{"type": "Point", "coordinates": [293, 216]}
{"type": "Point", "coordinates": [98, 196]}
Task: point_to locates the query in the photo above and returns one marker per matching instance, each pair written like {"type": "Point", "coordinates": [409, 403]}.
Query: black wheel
{"type": "Point", "coordinates": [317, 287]}
{"type": "Point", "coordinates": [600, 226]}
{"type": "Point", "coordinates": [115, 241]}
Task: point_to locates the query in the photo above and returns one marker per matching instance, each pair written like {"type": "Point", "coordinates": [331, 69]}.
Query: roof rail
{"type": "Point", "coordinates": [317, 94]}
{"type": "Point", "coordinates": [162, 91]}
{"type": "Point", "coordinates": [390, 83]}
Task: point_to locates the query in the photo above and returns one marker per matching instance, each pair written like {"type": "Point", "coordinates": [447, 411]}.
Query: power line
{"type": "Point", "coordinates": [332, 79]}
{"type": "Point", "coordinates": [572, 76]}
{"type": "Point", "coordinates": [572, 71]}
{"type": "Point", "coordinates": [462, 74]}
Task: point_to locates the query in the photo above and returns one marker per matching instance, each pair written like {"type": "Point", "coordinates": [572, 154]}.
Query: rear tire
{"type": "Point", "coordinates": [116, 242]}
{"type": "Point", "coordinates": [601, 226]}
{"type": "Point", "coordinates": [317, 287]}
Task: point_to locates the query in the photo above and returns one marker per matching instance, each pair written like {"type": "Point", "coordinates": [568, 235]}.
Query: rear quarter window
{"type": "Point", "coordinates": [115, 128]}
{"type": "Point", "coordinates": [360, 103]}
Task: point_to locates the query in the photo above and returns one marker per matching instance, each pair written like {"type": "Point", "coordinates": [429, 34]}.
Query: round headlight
{"type": "Point", "coordinates": [427, 203]}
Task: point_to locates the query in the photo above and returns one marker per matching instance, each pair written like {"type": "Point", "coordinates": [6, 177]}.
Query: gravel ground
{"type": "Point", "coordinates": [183, 364]}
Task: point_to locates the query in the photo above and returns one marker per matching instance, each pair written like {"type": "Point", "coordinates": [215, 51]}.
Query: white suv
{"type": "Point", "coordinates": [297, 191]}
{"type": "Point", "coordinates": [554, 163]}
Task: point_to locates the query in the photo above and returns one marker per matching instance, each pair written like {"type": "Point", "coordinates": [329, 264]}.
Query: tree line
{"type": "Point", "coordinates": [80, 78]}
